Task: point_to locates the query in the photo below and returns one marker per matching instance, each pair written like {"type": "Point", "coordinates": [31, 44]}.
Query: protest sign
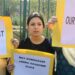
{"type": "Point", "coordinates": [30, 62]}
{"type": "Point", "coordinates": [5, 36]}
{"type": "Point", "coordinates": [63, 34]}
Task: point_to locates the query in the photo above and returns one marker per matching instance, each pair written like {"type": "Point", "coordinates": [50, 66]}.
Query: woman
{"type": "Point", "coordinates": [35, 39]}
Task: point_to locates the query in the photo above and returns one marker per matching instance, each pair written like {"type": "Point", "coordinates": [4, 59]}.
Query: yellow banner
{"type": "Point", "coordinates": [5, 36]}
{"type": "Point", "coordinates": [57, 33]}
{"type": "Point", "coordinates": [32, 62]}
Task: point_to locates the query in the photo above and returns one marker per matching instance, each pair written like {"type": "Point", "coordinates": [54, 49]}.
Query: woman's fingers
{"type": "Point", "coordinates": [10, 67]}
{"type": "Point", "coordinates": [15, 43]}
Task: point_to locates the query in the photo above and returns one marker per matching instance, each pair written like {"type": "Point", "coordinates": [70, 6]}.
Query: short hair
{"type": "Point", "coordinates": [33, 15]}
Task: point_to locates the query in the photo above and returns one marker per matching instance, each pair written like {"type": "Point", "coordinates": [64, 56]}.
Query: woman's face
{"type": "Point", "coordinates": [35, 27]}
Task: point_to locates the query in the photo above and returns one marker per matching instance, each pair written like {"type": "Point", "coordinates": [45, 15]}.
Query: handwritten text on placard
{"type": "Point", "coordinates": [31, 65]}
{"type": "Point", "coordinates": [2, 38]}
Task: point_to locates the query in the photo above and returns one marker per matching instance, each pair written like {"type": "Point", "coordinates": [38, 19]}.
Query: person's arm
{"type": "Point", "coordinates": [51, 22]}
{"type": "Point", "coordinates": [69, 58]}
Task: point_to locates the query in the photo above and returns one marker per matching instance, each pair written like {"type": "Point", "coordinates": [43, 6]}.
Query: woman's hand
{"type": "Point", "coordinates": [10, 66]}
{"type": "Point", "coordinates": [53, 20]}
{"type": "Point", "coordinates": [15, 43]}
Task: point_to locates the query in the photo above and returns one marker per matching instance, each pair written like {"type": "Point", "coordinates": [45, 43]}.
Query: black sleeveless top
{"type": "Point", "coordinates": [45, 46]}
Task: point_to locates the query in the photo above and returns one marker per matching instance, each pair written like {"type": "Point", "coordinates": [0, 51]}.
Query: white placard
{"type": "Point", "coordinates": [31, 65]}
{"type": "Point", "coordinates": [2, 38]}
{"type": "Point", "coordinates": [68, 29]}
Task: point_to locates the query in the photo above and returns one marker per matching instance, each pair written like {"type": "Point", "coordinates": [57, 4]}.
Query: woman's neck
{"type": "Point", "coordinates": [37, 39]}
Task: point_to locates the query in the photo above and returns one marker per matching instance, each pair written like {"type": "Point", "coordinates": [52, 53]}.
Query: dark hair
{"type": "Point", "coordinates": [33, 15]}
